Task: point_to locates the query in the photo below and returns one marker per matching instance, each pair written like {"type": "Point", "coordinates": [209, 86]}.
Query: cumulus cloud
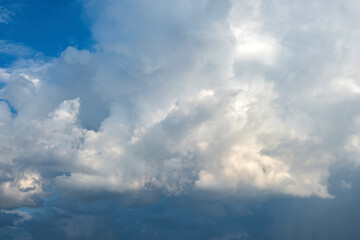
{"type": "Point", "coordinates": [235, 97]}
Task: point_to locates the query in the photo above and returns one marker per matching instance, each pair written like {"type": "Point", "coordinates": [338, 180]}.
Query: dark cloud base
{"type": "Point", "coordinates": [194, 217]}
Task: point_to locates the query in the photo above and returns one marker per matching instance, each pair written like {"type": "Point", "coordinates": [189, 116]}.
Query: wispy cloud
{"type": "Point", "coordinates": [5, 15]}
{"type": "Point", "coordinates": [15, 49]}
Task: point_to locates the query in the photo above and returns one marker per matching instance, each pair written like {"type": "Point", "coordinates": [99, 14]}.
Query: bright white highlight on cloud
{"type": "Point", "coordinates": [238, 97]}
{"type": "Point", "coordinates": [252, 43]}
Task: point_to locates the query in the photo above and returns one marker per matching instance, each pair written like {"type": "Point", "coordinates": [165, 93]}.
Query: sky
{"type": "Point", "coordinates": [191, 119]}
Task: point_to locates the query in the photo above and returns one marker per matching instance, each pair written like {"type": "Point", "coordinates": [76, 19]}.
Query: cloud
{"type": "Point", "coordinates": [15, 49]}
{"type": "Point", "coordinates": [175, 113]}
{"type": "Point", "coordinates": [185, 100]}
{"type": "Point", "coordinates": [5, 15]}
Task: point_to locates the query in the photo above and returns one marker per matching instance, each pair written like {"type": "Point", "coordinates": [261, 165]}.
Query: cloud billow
{"type": "Point", "coordinates": [242, 99]}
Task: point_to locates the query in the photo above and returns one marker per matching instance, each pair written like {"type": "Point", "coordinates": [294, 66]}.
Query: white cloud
{"type": "Point", "coordinates": [252, 42]}
{"type": "Point", "coordinates": [14, 49]}
{"type": "Point", "coordinates": [4, 75]}
{"type": "Point", "coordinates": [186, 96]}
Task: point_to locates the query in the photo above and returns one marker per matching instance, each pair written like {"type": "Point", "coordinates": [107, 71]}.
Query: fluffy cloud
{"type": "Point", "coordinates": [182, 97]}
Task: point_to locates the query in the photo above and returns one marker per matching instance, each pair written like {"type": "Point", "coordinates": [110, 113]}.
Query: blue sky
{"type": "Point", "coordinates": [179, 120]}
{"type": "Point", "coordinates": [47, 28]}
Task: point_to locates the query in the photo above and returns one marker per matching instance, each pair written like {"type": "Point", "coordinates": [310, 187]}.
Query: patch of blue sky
{"type": "Point", "coordinates": [46, 27]}
{"type": "Point", "coordinates": [12, 109]}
